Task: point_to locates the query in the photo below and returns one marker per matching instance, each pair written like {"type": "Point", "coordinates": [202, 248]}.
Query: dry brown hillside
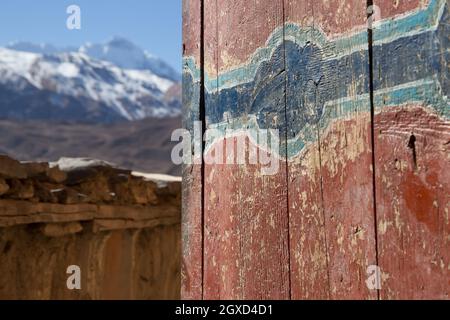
{"type": "Point", "coordinates": [142, 145]}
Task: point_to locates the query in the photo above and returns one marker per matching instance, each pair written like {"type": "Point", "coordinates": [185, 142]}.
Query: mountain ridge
{"type": "Point", "coordinates": [142, 145]}
{"type": "Point", "coordinates": [108, 51]}
{"type": "Point", "coordinates": [97, 83]}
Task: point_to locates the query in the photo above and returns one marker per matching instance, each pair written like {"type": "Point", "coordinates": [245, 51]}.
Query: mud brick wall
{"type": "Point", "coordinates": [122, 230]}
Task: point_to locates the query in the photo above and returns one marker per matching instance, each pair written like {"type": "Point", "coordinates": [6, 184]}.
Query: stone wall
{"type": "Point", "coordinates": [121, 228]}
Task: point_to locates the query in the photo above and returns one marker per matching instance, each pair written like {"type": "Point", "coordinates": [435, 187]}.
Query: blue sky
{"type": "Point", "coordinates": [154, 25]}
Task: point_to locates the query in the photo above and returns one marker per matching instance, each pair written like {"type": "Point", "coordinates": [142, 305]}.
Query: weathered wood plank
{"type": "Point", "coordinates": [412, 134]}
{"type": "Point", "coordinates": [246, 221]}
{"type": "Point", "coordinates": [192, 237]}
{"type": "Point", "coordinates": [337, 204]}
{"type": "Point", "coordinates": [345, 148]}
{"type": "Point", "coordinates": [309, 261]}
{"type": "Point", "coordinates": [330, 189]}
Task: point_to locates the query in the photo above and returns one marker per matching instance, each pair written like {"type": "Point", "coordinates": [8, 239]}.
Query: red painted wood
{"type": "Point", "coordinates": [245, 233]}
{"type": "Point", "coordinates": [245, 26]}
{"type": "Point", "coordinates": [413, 203]}
{"type": "Point", "coordinates": [341, 204]}
{"type": "Point", "coordinates": [330, 185]}
{"type": "Point", "coordinates": [346, 167]}
{"type": "Point", "coordinates": [309, 259]}
{"type": "Point", "coordinates": [412, 168]}
{"type": "Point", "coordinates": [348, 206]}
{"type": "Point", "coordinates": [192, 248]}
{"type": "Point", "coordinates": [246, 221]}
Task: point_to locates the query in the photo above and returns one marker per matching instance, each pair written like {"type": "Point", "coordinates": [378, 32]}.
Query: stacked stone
{"type": "Point", "coordinates": [95, 184]}
{"type": "Point", "coordinates": [121, 229]}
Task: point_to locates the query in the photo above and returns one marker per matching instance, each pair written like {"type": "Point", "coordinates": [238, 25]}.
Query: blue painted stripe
{"type": "Point", "coordinates": [385, 31]}
{"type": "Point", "coordinates": [327, 80]}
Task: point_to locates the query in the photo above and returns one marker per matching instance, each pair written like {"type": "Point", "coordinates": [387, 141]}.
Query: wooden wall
{"type": "Point", "coordinates": [363, 163]}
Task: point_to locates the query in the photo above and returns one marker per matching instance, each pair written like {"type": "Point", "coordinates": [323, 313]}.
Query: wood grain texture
{"type": "Point", "coordinates": [346, 156]}
{"type": "Point", "coordinates": [308, 244]}
{"type": "Point", "coordinates": [192, 236]}
{"type": "Point", "coordinates": [246, 222]}
{"type": "Point", "coordinates": [412, 134]}
{"type": "Point", "coordinates": [339, 203]}
{"type": "Point", "coordinates": [249, 25]}
{"type": "Point", "coordinates": [331, 196]}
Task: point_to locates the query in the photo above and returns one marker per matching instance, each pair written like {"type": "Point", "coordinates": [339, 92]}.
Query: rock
{"type": "Point", "coordinates": [119, 178]}
{"type": "Point", "coordinates": [11, 169]}
{"type": "Point", "coordinates": [70, 196]}
{"type": "Point", "coordinates": [97, 189]}
{"type": "Point", "coordinates": [4, 187]}
{"type": "Point", "coordinates": [36, 256]}
{"type": "Point", "coordinates": [151, 194]}
{"type": "Point", "coordinates": [44, 191]}
{"type": "Point", "coordinates": [161, 180]}
{"type": "Point", "coordinates": [35, 169]}
{"type": "Point", "coordinates": [76, 177]}
{"type": "Point", "coordinates": [143, 192]}
{"type": "Point", "coordinates": [79, 170]}
{"type": "Point", "coordinates": [86, 181]}
{"type": "Point", "coordinates": [174, 188]}
{"type": "Point", "coordinates": [109, 215]}
{"type": "Point", "coordinates": [22, 190]}
{"type": "Point", "coordinates": [61, 229]}
{"type": "Point", "coordinates": [56, 175]}
{"type": "Point", "coordinates": [74, 164]}
{"type": "Point", "coordinates": [121, 191]}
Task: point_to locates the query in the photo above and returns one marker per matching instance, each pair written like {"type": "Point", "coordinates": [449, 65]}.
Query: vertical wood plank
{"type": "Point", "coordinates": [330, 185]}
{"type": "Point", "coordinates": [346, 148]}
{"type": "Point", "coordinates": [246, 220]}
{"type": "Point", "coordinates": [412, 134]}
{"type": "Point", "coordinates": [309, 261]}
{"type": "Point", "coordinates": [192, 248]}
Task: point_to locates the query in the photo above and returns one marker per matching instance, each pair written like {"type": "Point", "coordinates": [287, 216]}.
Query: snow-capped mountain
{"type": "Point", "coordinates": [96, 83]}
{"type": "Point", "coordinates": [127, 55]}
{"type": "Point", "coordinates": [119, 51]}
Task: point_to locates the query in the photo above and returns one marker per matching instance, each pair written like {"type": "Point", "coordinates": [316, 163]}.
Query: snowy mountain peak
{"type": "Point", "coordinates": [78, 86]}
{"type": "Point", "coordinates": [120, 42]}
{"type": "Point", "coordinates": [125, 54]}
{"type": "Point", "coordinates": [118, 50]}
